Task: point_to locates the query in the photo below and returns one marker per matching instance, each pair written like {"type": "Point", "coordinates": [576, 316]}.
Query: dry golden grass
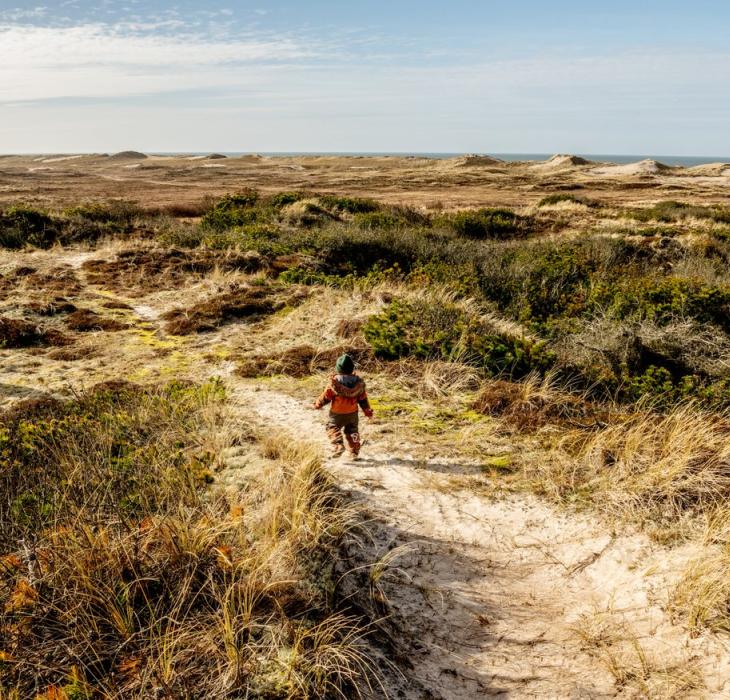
{"type": "Point", "coordinates": [636, 671]}
{"type": "Point", "coordinates": [702, 596]}
{"type": "Point", "coordinates": [198, 592]}
{"type": "Point", "coordinates": [645, 465]}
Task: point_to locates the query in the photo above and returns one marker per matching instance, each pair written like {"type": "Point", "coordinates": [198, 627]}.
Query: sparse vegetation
{"type": "Point", "coordinates": [125, 575]}
{"type": "Point", "coordinates": [126, 571]}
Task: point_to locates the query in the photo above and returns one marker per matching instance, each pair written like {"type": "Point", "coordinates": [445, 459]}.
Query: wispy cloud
{"type": "Point", "coordinates": [315, 85]}
{"type": "Point", "coordinates": [94, 59]}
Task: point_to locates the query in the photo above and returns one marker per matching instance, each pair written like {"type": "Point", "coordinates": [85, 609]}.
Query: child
{"type": "Point", "coordinates": [346, 391]}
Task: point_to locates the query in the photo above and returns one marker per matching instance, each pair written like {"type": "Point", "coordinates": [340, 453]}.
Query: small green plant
{"type": "Point", "coordinates": [436, 329]}
{"type": "Point", "coordinates": [120, 212]}
{"type": "Point", "coordinates": [488, 224]}
{"type": "Point", "coordinates": [282, 199]}
{"type": "Point", "coordinates": [233, 210]}
{"type": "Point", "coordinates": [22, 226]}
{"type": "Point", "coordinates": [351, 205]}
{"type": "Point", "coordinates": [377, 220]}
{"type": "Point", "coordinates": [559, 197]}
{"type": "Point", "coordinates": [673, 211]}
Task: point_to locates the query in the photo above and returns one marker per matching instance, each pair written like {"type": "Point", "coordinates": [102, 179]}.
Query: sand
{"type": "Point", "coordinates": [643, 167]}
{"type": "Point", "coordinates": [468, 181]}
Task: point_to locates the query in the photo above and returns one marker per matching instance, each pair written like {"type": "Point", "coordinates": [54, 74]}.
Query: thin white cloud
{"type": "Point", "coordinates": [289, 91]}
{"type": "Point", "coordinates": [96, 60]}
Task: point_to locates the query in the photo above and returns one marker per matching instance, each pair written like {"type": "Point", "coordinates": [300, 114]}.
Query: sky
{"type": "Point", "coordinates": [461, 76]}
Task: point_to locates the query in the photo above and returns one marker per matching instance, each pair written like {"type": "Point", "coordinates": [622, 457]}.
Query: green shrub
{"type": "Point", "coordinates": [672, 211]}
{"type": "Point", "coordinates": [22, 226]}
{"type": "Point", "coordinates": [377, 220]}
{"type": "Point", "coordinates": [282, 199]}
{"type": "Point", "coordinates": [351, 205]}
{"type": "Point", "coordinates": [662, 299]}
{"type": "Point", "coordinates": [120, 212]}
{"type": "Point", "coordinates": [124, 439]}
{"type": "Point", "coordinates": [483, 224]}
{"type": "Point", "coordinates": [537, 283]}
{"type": "Point", "coordinates": [433, 329]}
{"type": "Point", "coordinates": [558, 197]}
{"type": "Point", "coordinates": [233, 210]}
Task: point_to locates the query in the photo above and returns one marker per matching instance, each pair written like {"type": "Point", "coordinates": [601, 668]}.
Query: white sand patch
{"type": "Point", "coordinates": [643, 167]}
{"type": "Point", "coordinates": [60, 159]}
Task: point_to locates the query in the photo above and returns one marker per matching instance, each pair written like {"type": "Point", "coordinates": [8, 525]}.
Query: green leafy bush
{"type": "Point", "coordinates": [377, 220]}
{"type": "Point", "coordinates": [127, 441]}
{"type": "Point", "coordinates": [672, 211]}
{"type": "Point", "coordinates": [488, 224]}
{"type": "Point", "coordinates": [233, 210]}
{"type": "Point", "coordinates": [120, 212]}
{"type": "Point", "coordinates": [22, 226]}
{"type": "Point", "coordinates": [662, 299]}
{"type": "Point", "coordinates": [433, 329]}
{"type": "Point", "coordinates": [558, 197]}
{"type": "Point", "coordinates": [351, 205]}
{"type": "Point", "coordinates": [282, 199]}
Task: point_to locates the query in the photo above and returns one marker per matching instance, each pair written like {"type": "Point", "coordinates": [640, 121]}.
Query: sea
{"type": "Point", "coordinates": [684, 161]}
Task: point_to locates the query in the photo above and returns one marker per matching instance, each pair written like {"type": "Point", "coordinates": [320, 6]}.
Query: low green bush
{"type": "Point", "coordinates": [351, 205]}
{"type": "Point", "coordinates": [482, 224]}
{"type": "Point", "coordinates": [663, 299]}
{"type": "Point", "coordinates": [282, 199]}
{"type": "Point", "coordinates": [125, 439]}
{"type": "Point", "coordinates": [120, 212]}
{"type": "Point", "coordinates": [233, 210]}
{"type": "Point", "coordinates": [673, 211]}
{"type": "Point", "coordinates": [558, 197]}
{"type": "Point", "coordinates": [433, 329]}
{"type": "Point", "coordinates": [370, 221]}
{"type": "Point", "coordinates": [22, 226]}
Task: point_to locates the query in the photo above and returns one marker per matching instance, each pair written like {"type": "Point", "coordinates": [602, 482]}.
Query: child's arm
{"type": "Point", "coordinates": [365, 405]}
{"type": "Point", "coordinates": [324, 398]}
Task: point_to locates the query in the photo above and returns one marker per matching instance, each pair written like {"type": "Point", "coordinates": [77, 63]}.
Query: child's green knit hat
{"type": "Point", "coordinates": [345, 364]}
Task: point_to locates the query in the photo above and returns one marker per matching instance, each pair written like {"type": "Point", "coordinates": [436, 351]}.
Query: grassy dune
{"type": "Point", "coordinates": [590, 338]}
{"type": "Point", "coordinates": [129, 576]}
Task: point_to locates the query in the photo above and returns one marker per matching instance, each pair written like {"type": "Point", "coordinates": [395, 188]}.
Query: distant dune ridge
{"type": "Point", "coordinates": [710, 169]}
{"type": "Point", "coordinates": [476, 159]}
{"type": "Point", "coordinates": [128, 155]}
{"type": "Point", "coordinates": [643, 167]}
{"type": "Point", "coordinates": [562, 161]}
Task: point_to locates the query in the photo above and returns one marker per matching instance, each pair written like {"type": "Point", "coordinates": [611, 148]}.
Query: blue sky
{"type": "Point", "coordinates": [645, 77]}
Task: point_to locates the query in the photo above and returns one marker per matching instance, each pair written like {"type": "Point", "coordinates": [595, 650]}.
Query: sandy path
{"type": "Point", "coordinates": [478, 592]}
{"type": "Point", "coordinates": [490, 591]}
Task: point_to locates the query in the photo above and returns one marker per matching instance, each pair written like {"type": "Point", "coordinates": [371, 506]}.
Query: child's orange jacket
{"type": "Point", "coordinates": [345, 392]}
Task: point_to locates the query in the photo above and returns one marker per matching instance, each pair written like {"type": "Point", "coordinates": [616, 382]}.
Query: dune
{"type": "Point", "coordinates": [128, 155]}
{"type": "Point", "coordinates": [710, 169]}
{"type": "Point", "coordinates": [250, 158]}
{"type": "Point", "coordinates": [562, 161]}
{"type": "Point", "coordinates": [215, 156]}
{"type": "Point", "coordinates": [643, 167]}
{"type": "Point", "coordinates": [475, 160]}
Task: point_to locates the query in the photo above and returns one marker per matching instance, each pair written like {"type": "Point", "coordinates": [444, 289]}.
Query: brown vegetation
{"type": "Point", "coordinates": [239, 303]}
{"type": "Point", "coordinates": [16, 333]}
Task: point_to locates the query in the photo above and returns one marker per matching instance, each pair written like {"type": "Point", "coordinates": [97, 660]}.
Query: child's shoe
{"type": "Point", "coordinates": [338, 450]}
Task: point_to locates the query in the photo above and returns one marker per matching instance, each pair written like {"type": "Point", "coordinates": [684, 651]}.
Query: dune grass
{"type": "Point", "coordinates": [126, 574]}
